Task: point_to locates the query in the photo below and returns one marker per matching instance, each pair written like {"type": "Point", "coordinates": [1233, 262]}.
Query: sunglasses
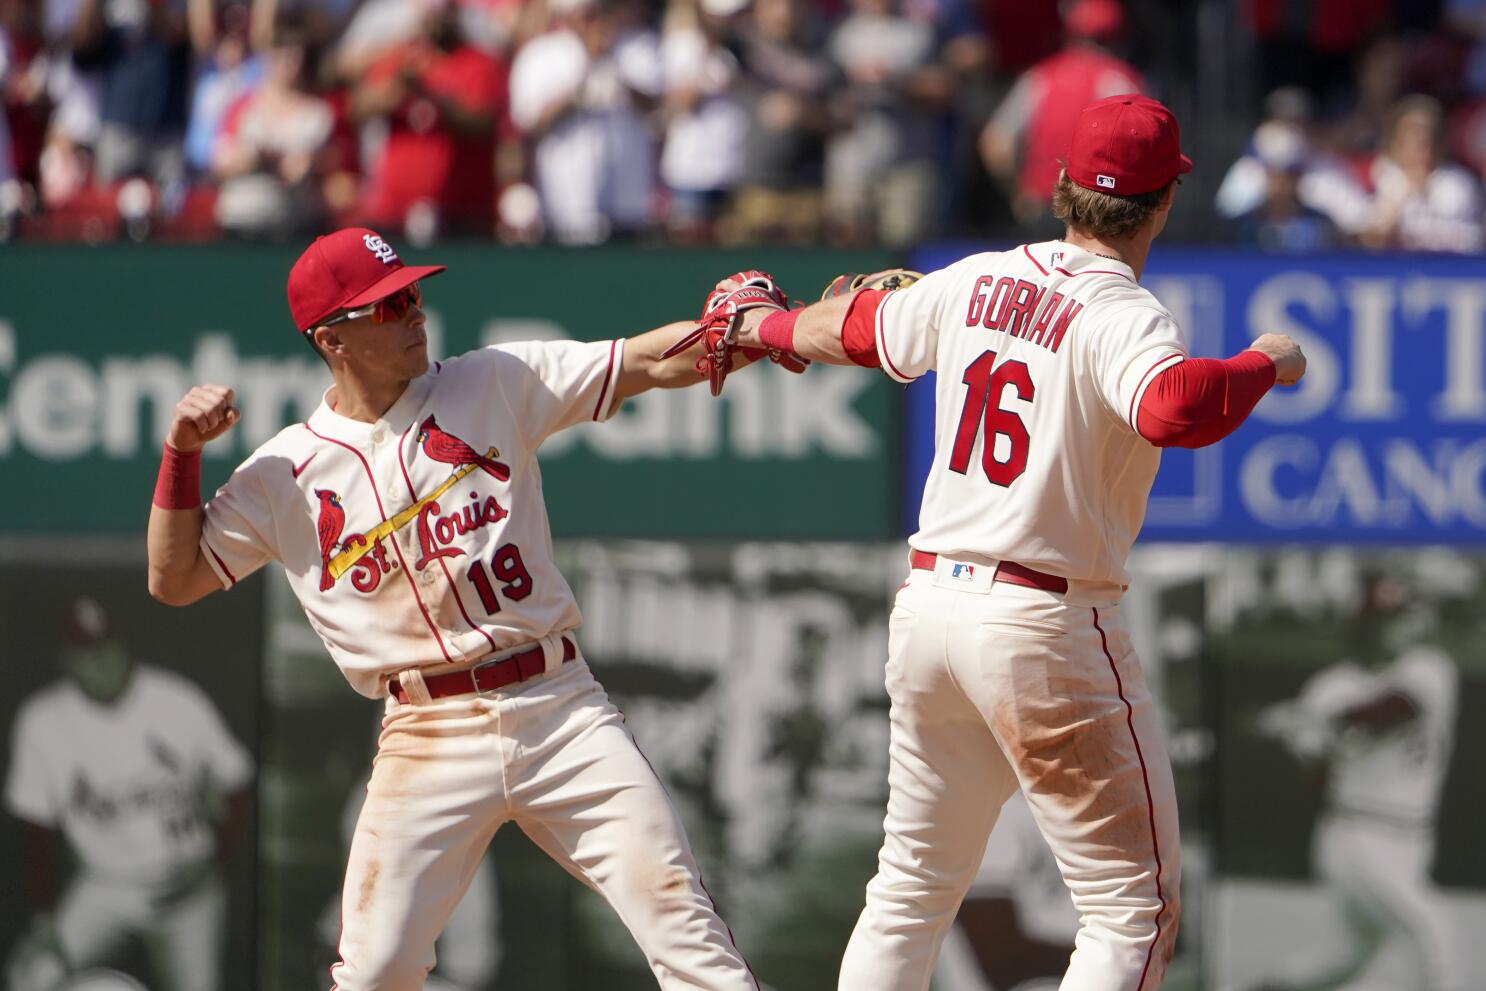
{"type": "Point", "coordinates": [384, 310]}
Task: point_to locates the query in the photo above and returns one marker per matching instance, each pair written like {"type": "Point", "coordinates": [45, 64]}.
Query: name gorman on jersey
{"type": "Point", "coordinates": [1016, 307]}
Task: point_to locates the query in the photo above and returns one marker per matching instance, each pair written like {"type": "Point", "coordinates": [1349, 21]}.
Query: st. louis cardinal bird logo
{"type": "Point", "coordinates": [332, 522]}
{"type": "Point", "coordinates": [445, 447]}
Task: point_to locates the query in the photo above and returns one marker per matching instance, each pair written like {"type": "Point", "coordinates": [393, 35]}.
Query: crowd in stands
{"type": "Point", "coordinates": [848, 122]}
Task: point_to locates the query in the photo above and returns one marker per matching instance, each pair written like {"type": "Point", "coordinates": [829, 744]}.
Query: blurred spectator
{"type": "Point", "coordinates": [1312, 44]}
{"type": "Point", "coordinates": [1027, 139]}
{"type": "Point", "coordinates": [1468, 17]}
{"type": "Point", "coordinates": [880, 168]}
{"type": "Point", "coordinates": [443, 101]}
{"type": "Point", "coordinates": [142, 52]}
{"type": "Point", "coordinates": [785, 79]}
{"type": "Point", "coordinates": [1020, 33]}
{"type": "Point", "coordinates": [7, 160]}
{"type": "Point", "coordinates": [966, 201]}
{"type": "Point", "coordinates": [579, 93]}
{"type": "Point", "coordinates": [702, 156]}
{"type": "Point", "coordinates": [1325, 183]}
{"type": "Point", "coordinates": [1422, 203]}
{"type": "Point", "coordinates": [1281, 221]}
{"type": "Point", "coordinates": [376, 27]}
{"type": "Point", "coordinates": [1357, 130]}
{"type": "Point", "coordinates": [267, 156]}
{"type": "Point", "coordinates": [23, 88]}
{"type": "Point", "coordinates": [76, 95]}
{"type": "Point", "coordinates": [228, 71]}
{"type": "Point", "coordinates": [320, 21]}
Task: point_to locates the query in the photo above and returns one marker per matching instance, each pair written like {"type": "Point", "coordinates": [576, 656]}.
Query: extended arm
{"type": "Point", "coordinates": [820, 332]}
{"type": "Point", "coordinates": [643, 368]}
{"type": "Point", "coordinates": [179, 573]}
{"type": "Point", "coordinates": [1199, 401]}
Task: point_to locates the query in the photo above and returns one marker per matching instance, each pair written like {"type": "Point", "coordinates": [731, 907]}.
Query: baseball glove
{"type": "Point", "coordinates": [718, 327]}
{"type": "Point", "coordinates": [888, 279]}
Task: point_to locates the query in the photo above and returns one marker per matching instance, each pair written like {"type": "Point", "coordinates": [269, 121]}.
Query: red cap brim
{"type": "Point", "coordinates": [399, 279]}
{"type": "Point", "coordinates": [1186, 165]}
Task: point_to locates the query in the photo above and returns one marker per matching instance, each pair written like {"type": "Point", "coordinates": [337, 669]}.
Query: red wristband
{"type": "Point", "coordinates": [179, 484]}
{"type": "Point", "coordinates": [778, 330]}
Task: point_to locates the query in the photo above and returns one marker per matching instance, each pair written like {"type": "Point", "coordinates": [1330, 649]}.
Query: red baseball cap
{"type": "Point", "coordinates": [1126, 145]}
{"type": "Point", "coordinates": [344, 270]}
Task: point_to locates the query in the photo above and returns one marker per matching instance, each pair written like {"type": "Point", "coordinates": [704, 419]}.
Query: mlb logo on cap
{"type": "Point", "coordinates": [1107, 181]}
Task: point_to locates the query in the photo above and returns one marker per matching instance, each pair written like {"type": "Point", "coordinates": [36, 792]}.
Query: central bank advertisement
{"type": "Point", "coordinates": [98, 344]}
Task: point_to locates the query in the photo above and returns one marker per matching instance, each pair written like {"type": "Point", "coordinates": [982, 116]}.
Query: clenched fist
{"type": "Point", "coordinates": [203, 415]}
{"type": "Point", "coordinates": [1289, 361]}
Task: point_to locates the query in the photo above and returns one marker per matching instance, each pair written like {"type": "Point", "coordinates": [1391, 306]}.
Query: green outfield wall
{"type": "Point", "coordinates": [97, 344]}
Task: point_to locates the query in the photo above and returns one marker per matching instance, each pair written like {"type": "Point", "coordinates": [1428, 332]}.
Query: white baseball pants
{"type": "Point", "coordinates": [1380, 873]}
{"type": "Point", "coordinates": [998, 687]}
{"type": "Point", "coordinates": [182, 937]}
{"type": "Point", "coordinates": [553, 755]}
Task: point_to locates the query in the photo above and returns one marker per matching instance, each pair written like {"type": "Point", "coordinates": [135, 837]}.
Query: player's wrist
{"type": "Point", "coordinates": [178, 485]}
{"type": "Point", "coordinates": [777, 329]}
{"type": "Point", "coordinates": [1253, 359]}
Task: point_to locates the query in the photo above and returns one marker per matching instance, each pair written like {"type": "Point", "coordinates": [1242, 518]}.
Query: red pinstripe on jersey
{"type": "Point", "coordinates": [1165, 361]}
{"type": "Point", "coordinates": [220, 563]}
{"type": "Point", "coordinates": [407, 572]}
{"type": "Point", "coordinates": [598, 408]}
{"type": "Point", "coordinates": [1028, 252]}
{"type": "Point", "coordinates": [413, 494]}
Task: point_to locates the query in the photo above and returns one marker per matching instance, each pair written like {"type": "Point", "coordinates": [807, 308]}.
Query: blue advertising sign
{"type": "Point", "coordinates": [1384, 441]}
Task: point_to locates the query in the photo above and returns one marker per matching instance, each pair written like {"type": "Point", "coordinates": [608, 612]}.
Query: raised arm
{"type": "Point", "coordinates": [179, 573]}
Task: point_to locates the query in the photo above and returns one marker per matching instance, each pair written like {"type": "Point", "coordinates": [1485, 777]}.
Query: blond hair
{"type": "Point", "coordinates": [1097, 214]}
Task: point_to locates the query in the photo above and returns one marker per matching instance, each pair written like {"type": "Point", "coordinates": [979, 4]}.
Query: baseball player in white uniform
{"type": "Point", "coordinates": [407, 512]}
{"type": "Point", "coordinates": [1016, 926]}
{"type": "Point", "coordinates": [1060, 378]}
{"type": "Point", "coordinates": [131, 764]}
{"type": "Point", "coordinates": [1383, 736]}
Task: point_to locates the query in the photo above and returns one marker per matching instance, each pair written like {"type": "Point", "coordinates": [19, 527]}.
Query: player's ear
{"type": "Point", "coordinates": [327, 340]}
{"type": "Point", "coordinates": [1168, 195]}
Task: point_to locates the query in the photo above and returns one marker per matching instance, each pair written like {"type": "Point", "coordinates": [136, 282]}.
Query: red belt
{"type": "Point", "coordinates": [1006, 571]}
{"type": "Point", "coordinates": [487, 676]}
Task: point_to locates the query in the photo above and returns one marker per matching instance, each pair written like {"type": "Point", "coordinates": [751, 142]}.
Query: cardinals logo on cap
{"type": "Point", "coordinates": [380, 248]}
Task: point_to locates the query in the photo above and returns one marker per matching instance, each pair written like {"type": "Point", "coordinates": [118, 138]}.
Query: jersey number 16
{"type": "Point", "coordinates": [984, 384]}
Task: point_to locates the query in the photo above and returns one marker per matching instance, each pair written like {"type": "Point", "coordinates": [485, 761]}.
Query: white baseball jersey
{"type": "Point", "coordinates": [128, 784]}
{"type": "Point", "coordinates": [1398, 773]}
{"type": "Point", "coordinates": [423, 537]}
{"type": "Point", "coordinates": [1043, 353]}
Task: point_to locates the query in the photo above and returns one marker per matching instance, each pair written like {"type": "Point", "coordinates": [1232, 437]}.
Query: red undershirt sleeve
{"type": "Point", "coordinates": [859, 328]}
{"type": "Point", "coordinates": [1200, 401]}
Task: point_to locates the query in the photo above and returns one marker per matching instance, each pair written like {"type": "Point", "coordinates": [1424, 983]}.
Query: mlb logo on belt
{"type": "Point", "coordinates": [1105, 181]}
{"type": "Point", "coordinates": [964, 572]}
